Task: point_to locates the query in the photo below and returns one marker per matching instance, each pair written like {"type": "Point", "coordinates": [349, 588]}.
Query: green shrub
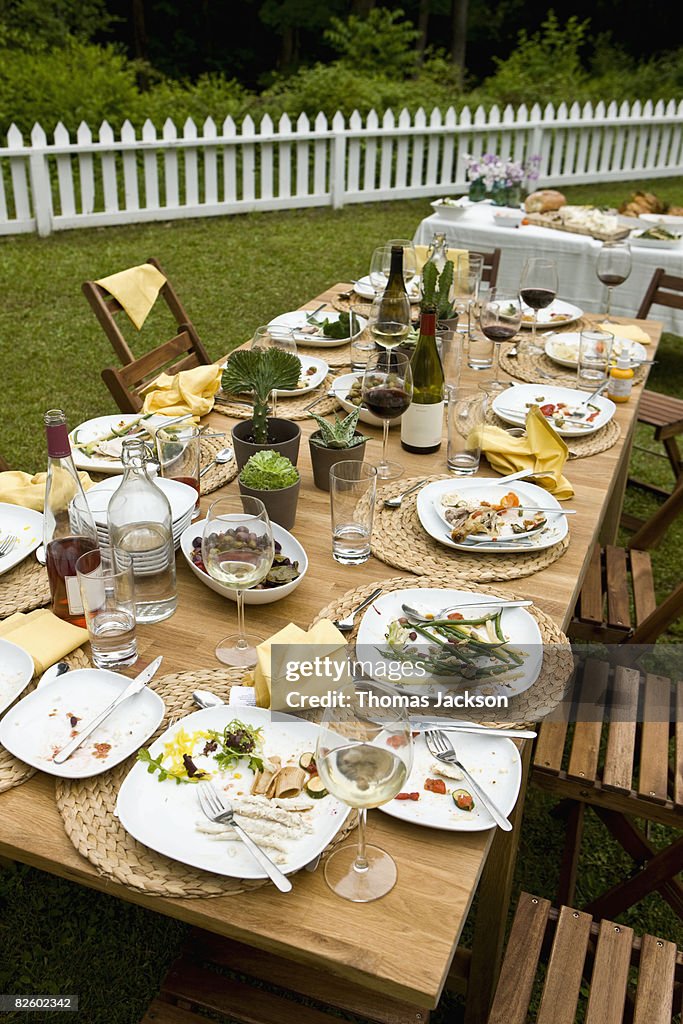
{"type": "Point", "coordinates": [212, 95]}
{"type": "Point", "coordinates": [382, 39]}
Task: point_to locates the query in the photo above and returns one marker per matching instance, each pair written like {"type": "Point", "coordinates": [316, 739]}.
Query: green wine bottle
{"type": "Point", "coordinates": [392, 324]}
{"type": "Point", "coordinates": [422, 423]}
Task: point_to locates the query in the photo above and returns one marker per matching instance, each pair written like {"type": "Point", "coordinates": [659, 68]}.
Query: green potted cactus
{"type": "Point", "coordinates": [275, 480]}
{"type": "Point", "coordinates": [334, 442]}
{"type": "Point", "coordinates": [437, 291]}
{"type": "Point", "coordinates": [257, 373]}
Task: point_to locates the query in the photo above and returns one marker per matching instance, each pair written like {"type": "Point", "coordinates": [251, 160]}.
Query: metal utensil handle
{"type": "Point", "coordinates": [368, 600]}
{"type": "Point", "coordinates": [411, 489]}
{"type": "Point", "coordinates": [271, 869]}
{"type": "Point", "coordinates": [475, 730]}
{"type": "Point", "coordinates": [499, 819]}
{"type": "Point", "coordinates": [65, 753]}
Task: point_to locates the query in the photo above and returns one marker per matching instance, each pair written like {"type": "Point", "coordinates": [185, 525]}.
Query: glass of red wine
{"type": "Point", "coordinates": [613, 267]}
{"type": "Point", "coordinates": [537, 289]}
{"type": "Point", "coordinates": [387, 391]}
{"type": "Point", "coordinates": [500, 317]}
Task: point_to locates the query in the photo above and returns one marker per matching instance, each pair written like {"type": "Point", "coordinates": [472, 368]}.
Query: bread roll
{"type": "Point", "coordinates": [544, 201]}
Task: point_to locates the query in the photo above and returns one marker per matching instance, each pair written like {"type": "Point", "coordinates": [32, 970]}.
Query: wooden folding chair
{"type": "Point", "coordinates": [490, 266]}
{"type": "Point", "coordinates": [127, 383]}
{"type": "Point", "coordinates": [624, 771]}
{"type": "Point", "coordinates": [662, 412]}
{"type": "Point", "coordinates": [107, 309]}
{"type": "Point", "coordinates": [586, 962]}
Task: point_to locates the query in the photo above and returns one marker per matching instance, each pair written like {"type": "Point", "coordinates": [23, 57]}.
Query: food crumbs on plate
{"type": "Point", "coordinates": [237, 775]}
{"type": "Point", "coordinates": [101, 750]}
{"type": "Point", "coordinates": [73, 720]}
{"type": "Point", "coordinates": [73, 733]}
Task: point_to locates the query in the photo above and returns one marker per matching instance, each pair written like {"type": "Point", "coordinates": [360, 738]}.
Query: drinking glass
{"type": "Point", "coordinates": [467, 275]}
{"type": "Point", "coordinates": [613, 268]}
{"type": "Point", "coordinates": [108, 596]}
{"type": "Point", "coordinates": [362, 341]}
{"type": "Point", "coordinates": [179, 454]}
{"type": "Point", "coordinates": [380, 263]}
{"type": "Point", "coordinates": [595, 351]}
{"type": "Point", "coordinates": [466, 416]}
{"type": "Point", "coordinates": [274, 336]}
{"type": "Point", "coordinates": [364, 755]}
{"type": "Point", "coordinates": [390, 326]}
{"type": "Point", "coordinates": [500, 317]}
{"type": "Point", "coordinates": [387, 391]}
{"type": "Point", "coordinates": [451, 346]}
{"type": "Point", "coordinates": [353, 486]}
{"type": "Point", "coordinates": [538, 288]}
{"type": "Point", "coordinates": [237, 551]}
{"type": "Point", "coordinates": [409, 261]}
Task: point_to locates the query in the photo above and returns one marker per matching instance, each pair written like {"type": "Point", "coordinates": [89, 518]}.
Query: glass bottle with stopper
{"type": "Point", "coordinates": [68, 526]}
{"type": "Point", "coordinates": [141, 525]}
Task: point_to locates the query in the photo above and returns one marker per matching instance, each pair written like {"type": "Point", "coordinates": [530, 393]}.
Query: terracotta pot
{"type": "Point", "coordinates": [322, 459]}
{"type": "Point", "coordinates": [280, 505]}
{"type": "Point", "coordinates": [286, 437]}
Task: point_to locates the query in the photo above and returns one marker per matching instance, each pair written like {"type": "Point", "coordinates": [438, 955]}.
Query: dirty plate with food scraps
{"type": "Point", "coordinates": [310, 332]}
{"type": "Point", "coordinates": [16, 672]}
{"type": "Point", "coordinates": [27, 526]}
{"type": "Point", "coordinates": [566, 404]}
{"type": "Point", "coordinates": [557, 314]}
{"type": "Point", "coordinates": [313, 373]}
{"type": "Point", "coordinates": [494, 763]}
{"type": "Point", "coordinates": [365, 288]}
{"type": "Point", "coordinates": [106, 458]}
{"type": "Point", "coordinates": [430, 511]}
{"type": "Point", "coordinates": [38, 726]}
{"type": "Point", "coordinates": [164, 815]}
{"type": "Point", "coordinates": [563, 349]}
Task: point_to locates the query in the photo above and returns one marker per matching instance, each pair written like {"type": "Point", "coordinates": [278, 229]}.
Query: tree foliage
{"type": "Point", "coordinates": [40, 24]}
{"type": "Point", "coordinates": [382, 42]}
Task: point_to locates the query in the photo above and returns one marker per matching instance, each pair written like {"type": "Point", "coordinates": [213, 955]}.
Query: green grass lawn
{"type": "Point", "coordinates": [232, 274]}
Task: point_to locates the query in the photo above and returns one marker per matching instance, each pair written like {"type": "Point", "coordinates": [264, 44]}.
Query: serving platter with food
{"type": "Point", "coordinates": [657, 237]}
{"type": "Point", "coordinates": [97, 444]}
{"type": "Point", "coordinates": [568, 410]}
{"type": "Point", "coordinates": [548, 208]}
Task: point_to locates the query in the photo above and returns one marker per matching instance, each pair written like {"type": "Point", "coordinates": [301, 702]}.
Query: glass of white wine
{"type": "Point", "coordinates": [237, 551]}
{"type": "Point", "coordinates": [364, 756]}
{"type": "Point", "coordinates": [389, 320]}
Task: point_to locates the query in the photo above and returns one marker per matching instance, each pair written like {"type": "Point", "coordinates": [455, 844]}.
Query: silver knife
{"type": "Point", "coordinates": [476, 730]}
{"type": "Point", "coordinates": [133, 687]}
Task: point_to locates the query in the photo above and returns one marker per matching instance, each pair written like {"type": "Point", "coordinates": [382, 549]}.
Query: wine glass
{"type": "Point", "coordinates": [500, 317]}
{"type": "Point", "coordinates": [364, 755]}
{"type": "Point", "coordinates": [537, 289]}
{"type": "Point", "coordinates": [274, 336]}
{"type": "Point", "coordinates": [409, 261]}
{"type": "Point", "coordinates": [467, 274]}
{"type": "Point", "coordinates": [380, 264]}
{"type": "Point", "coordinates": [237, 551]}
{"type": "Point", "coordinates": [613, 267]}
{"type": "Point", "coordinates": [387, 391]}
{"type": "Point", "coordinates": [389, 320]}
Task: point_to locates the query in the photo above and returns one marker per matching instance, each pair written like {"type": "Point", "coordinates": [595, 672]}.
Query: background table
{"type": "Point", "coordinates": [576, 257]}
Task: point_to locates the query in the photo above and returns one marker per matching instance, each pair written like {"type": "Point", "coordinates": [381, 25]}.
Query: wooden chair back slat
{"type": "Point", "coordinates": [489, 270]}
{"type": "Point", "coordinates": [654, 528]}
{"type": "Point", "coordinates": [678, 769]}
{"type": "Point", "coordinates": [664, 615]}
{"type": "Point", "coordinates": [654, 748]}
{"type": "Point", "coordinates": [590, 601]}
{"type": "Point", "coordinates": [565, 968]}
{"type": "Point", "coordinates": [583, 759]}
{"type": "Point", "coordinates": [610, 974]}
{"type": "Point", "coordinates": [616, 579]}
{"type": "Point", "coordinates": [654, 996]}
{"type": "Point", "coordinates": [550, 746]}
{"type": "Point", "coordinates": [621, 737]}
{"type": "Point", "coordinates": [662, 292]}
{"type": "Point", "coordinates": [517, 974]}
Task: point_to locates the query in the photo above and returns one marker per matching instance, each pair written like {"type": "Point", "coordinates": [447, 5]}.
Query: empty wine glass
{"type": "Point", "coordinates": [274, 336]}
{"type": "Point", "coordinates": [237, 551]}
{"type": "Point", "coordinates": [380, 264]}
{"type": "Point", "coordinates": [409, 261]}
{"type": "Point", "coordinates": [389, 320]}
{"type": "Point", "coordinates": [387, 391]}
{"type": "Point", "coordinates": [467, 274]}
{"type": "Point", "coordinates": [500, 317]}
{"type": "Point", "coordinates": [613, 268]}
{"type": "Point", "coordinates": [364, 755]}
{"type": "Point", "coordinates": [537, 289]}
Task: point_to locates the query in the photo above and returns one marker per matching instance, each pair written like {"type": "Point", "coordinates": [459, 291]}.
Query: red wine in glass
{"type": "Point", "coordinates": [387, 402]}
{"type": "Point", "coordinates": [612, 280]}
{"type": "Point", "coordinates": [499, 332]}
{"type": "Point", "coordinates": [537, 298]}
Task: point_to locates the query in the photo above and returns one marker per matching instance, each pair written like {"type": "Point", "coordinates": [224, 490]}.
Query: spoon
{"type": "Point", "coordinates": [346, 625]}
{"type": "Point", "coordinates": [224, 455]}
{"type": "Point", "coordinates": [40, 554]}
{"type": "Point", "coordinates": [396, 502]}
{"type": "Point", "coordinates": [54, 672]}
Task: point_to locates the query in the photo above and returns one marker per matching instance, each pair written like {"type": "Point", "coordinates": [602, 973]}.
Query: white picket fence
{"type": "Point", "coordinates": [64, 183]}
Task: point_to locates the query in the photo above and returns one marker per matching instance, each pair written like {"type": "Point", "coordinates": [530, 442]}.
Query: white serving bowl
{"type": "Point", "coordinates": [342, 386]}
{"type": "Point", "coordinates": [291, 548]}
{"type": "Point", "coordinates": [509, 217]}
{"type": "Point", "coordinates": [449, 211]}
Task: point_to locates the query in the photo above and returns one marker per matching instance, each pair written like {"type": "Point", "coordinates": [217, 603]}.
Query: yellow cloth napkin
{"type": "Point", "coordinates": [136, 289]}
{"type": "Point", "coordinates": [451, 254]}
{"type": "Point", "coordinates": [323, 634]}
{"type": "Point", "coordinates": [542, 450]}
{"type": "Point", "coordinates": [629, 331]}
{"type": "Point", "coordinates": [190, 391]}
{"type": "Point", "coordinates": [17, 488]}
{"type": "Point", "coordinates": [42, 635]}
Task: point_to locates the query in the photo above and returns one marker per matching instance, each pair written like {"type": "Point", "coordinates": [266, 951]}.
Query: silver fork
{"type": "Point", "coordinates": [7, 543]}
{"type": "Point", "coordinates": [218, 809]}
{"type": "Point", "coordinates": [441, 748]}
{"type": "Point", "coordinates": [346, 625]}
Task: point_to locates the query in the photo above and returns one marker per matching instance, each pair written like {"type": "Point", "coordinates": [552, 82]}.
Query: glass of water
{"type": "Point", "coordinates": [108, 597]}
{"type": "Point", "coordinates": [595, 352]}
{"type": "Point", "coordinates": [466, 415]}
{"type": "Point", "coordinates": [353, 486]}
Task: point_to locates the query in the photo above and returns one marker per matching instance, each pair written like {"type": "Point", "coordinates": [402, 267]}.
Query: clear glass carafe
{"type": "Point", "coordinates": [141, 525]}
{"type": "Point", "coordinates": [437, 252]}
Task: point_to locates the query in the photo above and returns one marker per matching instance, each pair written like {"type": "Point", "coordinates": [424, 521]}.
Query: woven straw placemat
{"type": "Point", "coordinates": [24, 588]}
{"type": "Point", "coordinates": [530, 705]}
{"type": "Point", "coordinates": [579, 447]}
{"type": "Point", "coordinates": [12, 771]}
{"type": "Point", "coordinates": [538, 368]}
{"type": "Point", "coordinates": [87, 809]}
{"type": "Point", "coordinates": [400, 540]}
{"type": "Point", "coordinates": [217, 476]}
{"type": "Point", "coordinates": [287, 408]}
{"type": "Point", "coordinates": [337, 358]}
{"type": "Point", "coordinates": [363, 305]}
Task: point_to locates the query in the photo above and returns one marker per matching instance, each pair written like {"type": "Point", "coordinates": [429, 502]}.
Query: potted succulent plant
{"type": "Point", "coordinates": [436, 291]}
{"type": "Point", "coordinates": [333, 442]}
{"type": "Point", "coordinates": [259, 372]}
{"type": "Point", "coordinates": [275, 480]}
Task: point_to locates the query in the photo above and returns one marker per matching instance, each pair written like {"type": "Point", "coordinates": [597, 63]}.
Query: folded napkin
{"type": "Point", "coordinates": [42, 635]}
{"type": "Point", "coordinates": [629, 331]}
{"type": "Point", "coordinates": [190, 391]}
{"type": "Point", "coordinates": [324, 634]}
{"type": "Point", "coordinates": [17, 488]}
{"type": "Point", "coordinates": [542, 451]}
{"type": "Point", "coordinates": [451, 254]}
{"type": "Point", "coordinates": [136, 289]}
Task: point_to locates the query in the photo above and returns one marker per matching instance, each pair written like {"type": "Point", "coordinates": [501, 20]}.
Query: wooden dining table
{"type": "Point", "coordinates": [403, 946]}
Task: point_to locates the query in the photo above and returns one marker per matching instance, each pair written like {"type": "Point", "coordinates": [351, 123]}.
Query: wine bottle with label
{"type": "Point", "coordinates": [68, 526]}
{"type": "Point", "coordinates": [422, 423]}
{"type": "Point", "coordinates": [390, 316]}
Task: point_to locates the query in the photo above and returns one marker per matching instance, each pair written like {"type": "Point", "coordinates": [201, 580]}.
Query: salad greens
{"type": "Point", "coordinates": [237, 740]}
{"type": "Point", "coordinates": [340, 328]}
{"type": "Point", "coordinates": [269, 471]}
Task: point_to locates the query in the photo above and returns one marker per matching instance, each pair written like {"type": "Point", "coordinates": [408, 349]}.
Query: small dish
{"type": "Point", "coordinates": [297, 320]}
{"type": "Point", "coordinates": [509, 218]}
{"type": "Point", "coordinates": [450, 209]}
{"type": "Point", "coordinates": [342, 386]}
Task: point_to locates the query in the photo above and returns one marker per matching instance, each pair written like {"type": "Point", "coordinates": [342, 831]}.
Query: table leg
{"type": "Point", "coordinates": [495, 891]}
{"type": "Point", "coordinates": [610, 523]}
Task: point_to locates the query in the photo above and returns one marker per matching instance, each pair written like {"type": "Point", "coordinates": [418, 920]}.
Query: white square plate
{"type": "Point", "coordinates": [27, 526]}
{"type": "Point", "coordinates": [16, 672]}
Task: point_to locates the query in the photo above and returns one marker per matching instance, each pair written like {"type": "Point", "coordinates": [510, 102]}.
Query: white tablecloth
{"type": "Point", "coordinates": [576, 257]}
